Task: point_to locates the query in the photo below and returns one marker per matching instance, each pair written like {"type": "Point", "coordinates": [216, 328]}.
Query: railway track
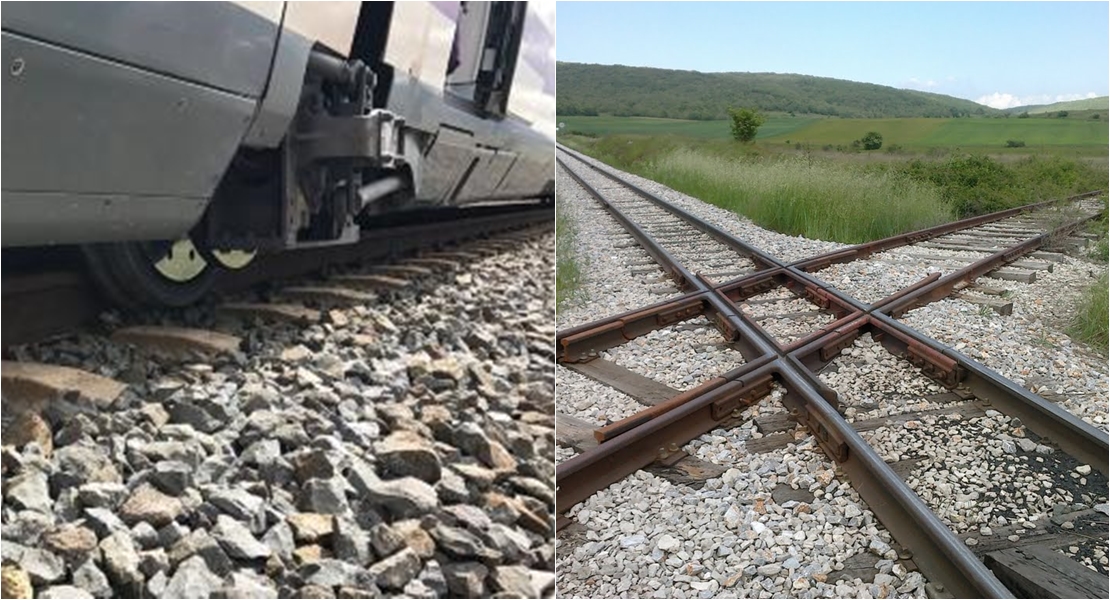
{"type": "Point", "coordinates": [385, 428]}
{"type": "Point", "coordinates": [38, 303]}
{"type": "Point", "coordinates": [807, 358]}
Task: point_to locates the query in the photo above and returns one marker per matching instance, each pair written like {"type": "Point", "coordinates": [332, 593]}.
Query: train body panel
{"type": "Point", "coordinates": [260, 126]}
{"type": "Point", "coordinates": [331, 24]}
{"type": "Point", "coordinates": [215, 44]}
{"type": "Point", "coordinates": [71, 170]}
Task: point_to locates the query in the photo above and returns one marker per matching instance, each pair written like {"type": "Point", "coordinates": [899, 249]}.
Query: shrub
{"type": "Point", "coordinates": [872, 141]}
{"type": "Point", "coordinates": [1062, 114]}
{"type": "Point", "coordinates": [972, 184]}
{"type": "Point", "coordinates": [975, 184]}
{"type": "Point", "coordinates": [745, 123]}
{"type": "Point", "coordinates": [1015, 143]}
{"type": "Point", "coordinates": [1024, 115]}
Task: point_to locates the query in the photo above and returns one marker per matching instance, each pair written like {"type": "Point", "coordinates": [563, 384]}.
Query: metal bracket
{"type": "Point", "coordinates": [679, 314]}
{"type": "Point", "coordinates": [726, 328]}
{"type": "Point", "coordinates": [376, 137]}
{"type": "Point", "coordinates": [757, 288]}
{"type": "Point", "coordinates": [831, 350]}
{"type": "Point", "coordinates": [934, 364]}
{"type": "Point", "coordinates": [833, 445]}
{"type": "Point", "coordinates": [817, 296]}
{"type": "Point", "coordinates": [744, 397]}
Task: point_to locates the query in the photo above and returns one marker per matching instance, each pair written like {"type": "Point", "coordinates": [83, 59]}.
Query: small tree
{"type": "Point", "coordinates": [745, 123]}
{"type": "Point", "coordinates": [872, 141]}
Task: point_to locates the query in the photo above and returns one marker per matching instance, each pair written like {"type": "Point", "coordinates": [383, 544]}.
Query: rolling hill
{"type": "Point", "coordinates": [1100, 103]}
{"type": "Point", "coordinates": [587, 89]}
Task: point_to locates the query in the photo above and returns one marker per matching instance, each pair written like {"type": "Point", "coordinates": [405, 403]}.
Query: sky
{"type": "Point", "coordinates": [1001, 54]}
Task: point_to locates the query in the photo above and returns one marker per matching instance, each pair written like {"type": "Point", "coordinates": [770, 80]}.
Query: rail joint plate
{"type": "Point", "coordinates": [680, 314]}
{"type": "Point", "coordinates": [832, 349]}
{"type": "Point", "coordinates": [742, 398]}
{"type": "Point", "coordinates": [833, 445]}
{"type": "Point", "coordinates": [757, 288]}
{"type": "Point", "coordinates": [935, 365]}
{"type": "Point", "coordinates": [727, 329]}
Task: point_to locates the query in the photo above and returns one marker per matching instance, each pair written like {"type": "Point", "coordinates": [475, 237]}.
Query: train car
{"type": "Point", "coordinates": [172, 141]}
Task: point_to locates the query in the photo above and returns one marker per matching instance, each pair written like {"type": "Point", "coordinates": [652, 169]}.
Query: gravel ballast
{"type": "Point", "coordinates": [398, 448]}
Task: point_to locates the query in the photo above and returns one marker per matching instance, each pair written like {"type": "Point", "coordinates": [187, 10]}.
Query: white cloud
{"type": "Point", "coordinates": [997, 100]}
{"type": "Point", "coordinates": [914, 83]}
{"type": "Point", "coordinates": [1001, 100]}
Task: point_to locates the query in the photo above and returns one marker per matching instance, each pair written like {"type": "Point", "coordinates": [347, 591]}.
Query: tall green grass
{"type": "Point", "coordinates": [568, 276]}
{"type": "Point", "coordinates": [799, 196]}
{"type": "Point", "coordinates": [1092, 321]}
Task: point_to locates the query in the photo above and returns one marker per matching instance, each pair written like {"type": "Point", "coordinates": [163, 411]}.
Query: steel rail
{"type": "Point", "coordinates": [814, 405]}
{"type": "Point", "coordinates": [842, 255]}
{"type": "Point", "coordinates": [1044, 418]}
{"type": "Point", "coordinates": [736, 327]}
{"type": "Point", "coordinates": [622, 327]}
{"type": "Point", "coordinates": [581, 476]}
{"type": "Point", "coordinates": [943, 556]}
{"type": "Point", "coordinates": [935, 550]}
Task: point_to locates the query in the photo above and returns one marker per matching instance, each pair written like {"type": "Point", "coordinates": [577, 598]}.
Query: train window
{"type": "Point", "coordinates": [483, 54]}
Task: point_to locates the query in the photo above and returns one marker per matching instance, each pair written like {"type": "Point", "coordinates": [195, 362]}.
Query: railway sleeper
{"type": "Point", "coordinates": [1002, 307]}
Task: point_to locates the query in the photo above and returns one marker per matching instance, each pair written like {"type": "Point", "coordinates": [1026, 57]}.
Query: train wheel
{"type": "Point", "coordinates": [151, 273]}
{"type": "Point", "coordinates": [232, 260]}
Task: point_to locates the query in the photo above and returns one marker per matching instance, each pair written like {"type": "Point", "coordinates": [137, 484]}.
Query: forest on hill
{"type": "Point", "coordinates": [587, 89]}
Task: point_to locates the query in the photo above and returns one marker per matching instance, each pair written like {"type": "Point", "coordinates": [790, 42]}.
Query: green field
{"type": "Point", "coordinates": [599, 126]}
{"type": "Point", "coordinates": [1071, 136]}
{"type": "Point", "coordinates": [979, 134]}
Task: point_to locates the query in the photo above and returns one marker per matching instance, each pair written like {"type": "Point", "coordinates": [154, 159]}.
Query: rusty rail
{"type": "Point", "coordinates": [637, 441]}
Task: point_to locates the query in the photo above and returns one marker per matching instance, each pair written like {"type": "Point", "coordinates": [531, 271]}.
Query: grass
{"type": "Point", "coordinates": [601, 126]}
{"type": "Point", "coordinates": [1067, 137]}
{"type": "Point", "coordinates": [567, 274]}
{"type": "Point", "coordinates": [1092, 319]}
{"type": "Point", "coordinates": [814, 198]}
{"type": "Point", "coordinates": [969, 184]}
{"type": "Point", "coordinates": [1039, 135]}
{"type": "Point", "coordinates": [1100, 251]}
